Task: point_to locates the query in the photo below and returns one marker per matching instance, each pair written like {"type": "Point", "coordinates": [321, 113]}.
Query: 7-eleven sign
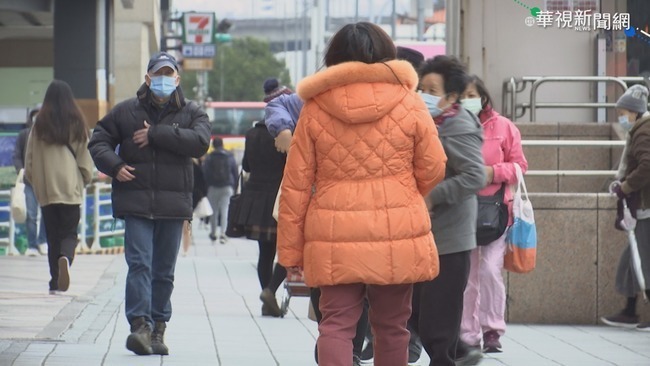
{"type": "Point", "coordinates": [198, 28]}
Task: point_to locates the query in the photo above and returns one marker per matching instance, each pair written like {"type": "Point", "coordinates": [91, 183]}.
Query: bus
{"type": "Point", "coordinates": [231, 120]}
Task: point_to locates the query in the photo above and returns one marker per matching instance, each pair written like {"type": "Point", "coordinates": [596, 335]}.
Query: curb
{"type": "Point", "coordinates": [108, 251]}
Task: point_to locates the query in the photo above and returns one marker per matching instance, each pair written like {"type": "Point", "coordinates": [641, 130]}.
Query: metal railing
{"type": "Point", "coordinates": [573, 143]}
{"type": "Point", "coordinates": [98, 188]}
{"type": "Point", "coordinates": [97, 233]}
{"type": "Point", "coordinates": [512, 87]}
{"type": "Point", "coordinates": [9, 224]}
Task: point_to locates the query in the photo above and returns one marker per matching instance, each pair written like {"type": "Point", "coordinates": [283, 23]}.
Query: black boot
{"type": "Point", "coordinates": [139, 341]}
{"type": "Point", "coordinates": [157, 339]}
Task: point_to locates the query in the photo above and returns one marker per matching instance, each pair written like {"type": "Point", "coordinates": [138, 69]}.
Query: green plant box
{"type": "Point", "coordinates": [107, 242]}
{"type": "Point", "coordinates": [119, 241]}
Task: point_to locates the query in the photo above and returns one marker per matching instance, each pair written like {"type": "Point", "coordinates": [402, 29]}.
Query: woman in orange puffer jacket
{"type": "Point", "coordinates": [352, 212]}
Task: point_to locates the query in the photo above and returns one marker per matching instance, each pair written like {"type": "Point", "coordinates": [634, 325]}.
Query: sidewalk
{"type": "Point", "coordinates": [217, 319]}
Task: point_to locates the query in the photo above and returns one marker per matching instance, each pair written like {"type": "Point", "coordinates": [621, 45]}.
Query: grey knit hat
{"type": "Point", "coordinates": [635, 99]}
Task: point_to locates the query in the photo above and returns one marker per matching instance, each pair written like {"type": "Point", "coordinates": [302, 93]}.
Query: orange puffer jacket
{"type": "Point", "coordinates": [364, 153]}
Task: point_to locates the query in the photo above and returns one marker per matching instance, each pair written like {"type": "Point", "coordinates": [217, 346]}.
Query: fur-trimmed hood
{"type": "Point", "coordinates": [356, 92]}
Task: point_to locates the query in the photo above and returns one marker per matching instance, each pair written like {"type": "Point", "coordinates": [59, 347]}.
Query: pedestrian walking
{"type": "Point", "coordinates": [58, 166]}
{"type": "Point", "coordinates": [159, 132]}
{"type": "Point", "coordinates": [265, 165]}
{"type": "Point", "coordinates": [281, 116]}
{"type": "Point", "coordinates": [36, 239]}
{"type": "Point", "coordinates": [351, 211]}
{"type": "Point", "coordinates": [220, 172]}
{"type": "Point", "coordinates": [484, 302]}
{"type": "Point", "coordinates": [633, 186]}
{"type": "Point", "coordinates": [438, 303]}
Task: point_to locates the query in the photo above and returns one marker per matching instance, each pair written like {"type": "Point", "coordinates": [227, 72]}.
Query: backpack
{"type": "Point", "coordinates": [217, 169]}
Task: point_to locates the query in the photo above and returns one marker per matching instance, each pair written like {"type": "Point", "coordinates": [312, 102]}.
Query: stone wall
{"type": "Point", "coordinates": [569, 158]}
{"type": "Point", "coordinates": [577, 255]}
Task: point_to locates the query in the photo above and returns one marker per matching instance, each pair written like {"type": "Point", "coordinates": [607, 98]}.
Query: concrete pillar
{"type": "Point", "coordinates": [82, 52]}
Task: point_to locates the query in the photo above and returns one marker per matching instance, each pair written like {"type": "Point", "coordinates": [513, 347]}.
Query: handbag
{"type": "Point", "coordinates": [203, 209]}
{"type": "Point", "coordinates": [521, 250]}
{"type": "Point", "coordinates": [233, 228]}
{"type": "Point", "coordinates": [18, 201]}
{"type": "Point", "coordinates": [492, 217]}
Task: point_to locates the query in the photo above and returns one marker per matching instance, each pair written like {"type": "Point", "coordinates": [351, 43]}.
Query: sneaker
{"type": "Point", "coordinates": [472, 357]}
{"type": "Point", "coordinates": [356, 360]}
{"type": "Point", "coordinates": [268, 298]}
{"type": "Point", "coordinates": [213, 238]}
{"type": "Point", "coordinates": [621, 320]}
{"type": "Point", "coordinates": [64, 273]}
{"type": "Point", "coordinates": [158, 346]}
{"type": "Point", "coordinates": [414, 357]}
{"type": "Point", "coordinates": [42, 248]}
{"type": "Point", "coordinates": [467, 355]}
{"type": "Point", "coordinates": [491, 342]}
{"type": "Point", "coordinates": [223, 240]}
{"type": "Point", "coordinates": [367, 355]}
{"type": "Point", "coordinates": [643, 327]}
{"type": "Point", "coordinates": [139, 341]}
{"type": "Point", "coordinates": [32, 252]}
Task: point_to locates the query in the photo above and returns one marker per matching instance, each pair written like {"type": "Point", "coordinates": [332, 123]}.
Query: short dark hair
{"type": "Point", "coordinates": [217, 142]}
{"type": "Point", "coordinates": [486, 99]}
{"type": "Point", "coordinates": [364, 42]}
{"type": "Point", "coordinates": [453, 72]}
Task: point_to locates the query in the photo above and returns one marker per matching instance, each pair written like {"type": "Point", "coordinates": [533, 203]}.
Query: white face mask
{"type": "Point", "coordinates": [431, 102]}
{"type": "Point", "coordinates": [625, 122]}
{"type": "Point", "coordinates": [473, 105]}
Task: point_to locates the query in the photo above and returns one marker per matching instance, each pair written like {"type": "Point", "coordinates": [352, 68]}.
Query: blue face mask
{"type": "Point", "coordinates": [162, 86]}
{"type": "Point", "coordinates": [625, 122]}
{"type": "Point", "coordinates": [431, 102]}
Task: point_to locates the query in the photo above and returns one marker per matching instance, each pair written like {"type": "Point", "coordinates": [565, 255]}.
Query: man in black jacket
{"type": "Point", "coordinates": [220, 172]}
{"type": "Point", "coordinates": [146, 144]}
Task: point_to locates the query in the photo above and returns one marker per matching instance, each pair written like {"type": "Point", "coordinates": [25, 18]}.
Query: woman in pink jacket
{"type": "Point", "coordinates": [485, 294]}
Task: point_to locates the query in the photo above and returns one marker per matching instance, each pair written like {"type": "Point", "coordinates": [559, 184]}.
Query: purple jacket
{"type": "Point", "coordinates": [282, 113]}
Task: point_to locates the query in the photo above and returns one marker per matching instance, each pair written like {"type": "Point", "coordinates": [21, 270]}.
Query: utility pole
{"type": "Point", "coordinates": [420, 27]}
{"type": "Point", "coordinates": [393, 21]}
{"type": "Point", "coordinates": [303, 44]}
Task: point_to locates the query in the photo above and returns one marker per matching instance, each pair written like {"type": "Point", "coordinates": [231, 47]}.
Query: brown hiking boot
{"type": "Point", "coordinates": [158, 339]}
{"type": "Point", "coordinates": [139, 341]}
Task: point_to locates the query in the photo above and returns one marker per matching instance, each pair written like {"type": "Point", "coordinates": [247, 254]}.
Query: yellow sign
{"type": "Point", "coordinates": [197, 64]}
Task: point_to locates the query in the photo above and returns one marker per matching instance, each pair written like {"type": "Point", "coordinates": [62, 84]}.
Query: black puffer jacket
{"type": "Point", "coordinates": [162, 188]}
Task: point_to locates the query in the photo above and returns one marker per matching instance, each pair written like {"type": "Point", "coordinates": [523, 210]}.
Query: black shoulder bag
{"type": "Point", "coordinates": [492, 218]}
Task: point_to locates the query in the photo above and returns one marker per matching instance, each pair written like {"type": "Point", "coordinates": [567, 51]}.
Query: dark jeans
{"type": "Point", "coordinates": [35, 233]}
{"type": "Point", "coordinates": [438, 308]}
{"type": "Point", "coordinates": [150, 249]}
{"type": "Point", "coordinates": [61, 223]}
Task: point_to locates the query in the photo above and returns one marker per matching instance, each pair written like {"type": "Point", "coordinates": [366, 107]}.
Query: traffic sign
{"type": "Point", "coordinates": [198, 28]}
{"type": "Point", "coordinates": [199, 50]}
{"type": "Point", "coordinates": [197, 64]}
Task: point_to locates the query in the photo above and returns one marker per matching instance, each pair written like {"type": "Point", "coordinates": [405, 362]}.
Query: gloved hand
{"type": "Point", "coordinates": [615, 188]}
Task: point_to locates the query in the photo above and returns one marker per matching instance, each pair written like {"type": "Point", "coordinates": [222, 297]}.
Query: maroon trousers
{"type": "Point", "coordinates": [341, 306]}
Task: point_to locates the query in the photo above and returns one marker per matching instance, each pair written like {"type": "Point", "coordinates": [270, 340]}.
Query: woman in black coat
{"type": "Point", "coordinates": [266, 166]}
